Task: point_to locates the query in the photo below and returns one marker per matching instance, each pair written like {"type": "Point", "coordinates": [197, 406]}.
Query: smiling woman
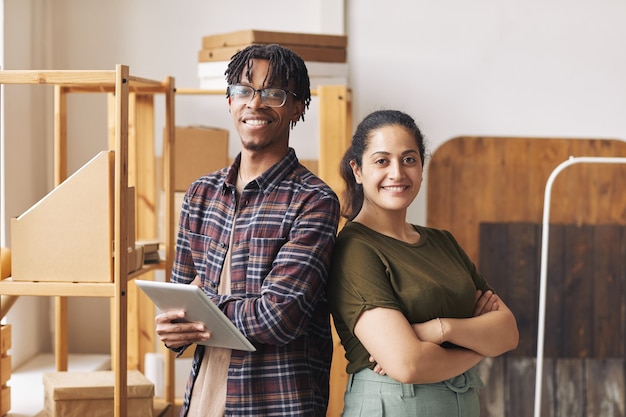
{"type": "Point", "coordinates": [412, 312]}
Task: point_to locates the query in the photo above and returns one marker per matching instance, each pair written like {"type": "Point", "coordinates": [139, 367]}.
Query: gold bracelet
{"type": "Point", "coordinates": [441, 329]}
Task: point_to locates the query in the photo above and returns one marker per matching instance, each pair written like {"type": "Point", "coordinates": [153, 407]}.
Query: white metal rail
{"type": "Point", "coordinates": [544, 260]}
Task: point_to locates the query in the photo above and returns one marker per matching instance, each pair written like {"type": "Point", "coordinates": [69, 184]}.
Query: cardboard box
{"type": "Point", "coordinates": [198, 150]}
{"type": "Point", "coordinates": [79, 394]}
{"type": "Point", "coordinates": [310, 46]}
{"type": "Point", "coordinates": [249, 36]}
{"type": "Point", "coordinates": [307, 53]}
{"type": "Point", "coordinates": [211, 74]}
{"type": "Point", "coordinates": [68, 234]}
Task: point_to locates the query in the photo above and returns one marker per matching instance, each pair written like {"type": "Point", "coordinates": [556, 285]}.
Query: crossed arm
{"type": "Point", "coordinates": [412, 353]}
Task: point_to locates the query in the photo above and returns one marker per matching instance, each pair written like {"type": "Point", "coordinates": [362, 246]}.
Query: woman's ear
{"type": "Point", "coordinates": [356, 171]}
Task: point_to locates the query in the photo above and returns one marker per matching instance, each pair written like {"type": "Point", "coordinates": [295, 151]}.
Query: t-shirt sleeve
{"type": "Point", "coordinates": [355, 283]}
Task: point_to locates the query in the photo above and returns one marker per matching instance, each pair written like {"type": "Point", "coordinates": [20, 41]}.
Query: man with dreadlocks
{"type": "Point", "coordinates": [258, 238]}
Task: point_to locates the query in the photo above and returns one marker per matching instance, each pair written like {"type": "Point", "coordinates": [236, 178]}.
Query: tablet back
{"type": "Point", "coordinates": [199, 307]}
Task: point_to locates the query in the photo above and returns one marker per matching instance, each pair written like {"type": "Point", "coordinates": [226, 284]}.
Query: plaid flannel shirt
{"type": "Point", "coordinates": [282, 247]}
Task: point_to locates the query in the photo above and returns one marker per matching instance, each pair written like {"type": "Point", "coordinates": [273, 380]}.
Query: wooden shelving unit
{"type": "Point", "coordinates": [125, 91]}
{"type": "Point", "coordinates": [131, 134]}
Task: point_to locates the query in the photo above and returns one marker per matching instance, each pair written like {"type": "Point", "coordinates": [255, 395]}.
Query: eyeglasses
{"type": "Point", "coordinates": [271, 97]}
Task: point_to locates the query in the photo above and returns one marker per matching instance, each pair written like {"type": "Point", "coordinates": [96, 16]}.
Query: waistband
{"type": "Point", "coordinates": [459, 384]}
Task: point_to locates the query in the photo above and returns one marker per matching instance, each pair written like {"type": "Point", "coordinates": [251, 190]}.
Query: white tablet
{"type": "Point", "coordinates": [199, 307]}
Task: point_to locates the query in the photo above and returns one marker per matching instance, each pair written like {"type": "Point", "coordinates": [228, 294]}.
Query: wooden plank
{"type": "Point", "coordinates": [509, 260]}
{"type": "Point", "coordinates": [621, 278]}
{"type": "Point", "coordinates": [520, 380]}
{"type": "Point", "coordinates": [608, 292]}
{"type": "Point", "coordinates": [120, 270]}
{"type": "Point", "coordinates": [554, 294]}
{"type": "Point", "coordinates": [577, 295]}
{"type": "Point", "coordinates": [570, 389]}
{"type": "Point", "coordinates": [439, 200]}
{"type": "Point", "coordinates": [60, 134]}
{"type": "Point", "coordinates": [142, 175]}
{"type": "Point", "coordinates": [604, 386]}
{"type": "Point", "coordinates": [334, 122]}
{"type": "Point", "coordinates": [492, 397]}
{"type": "Point", "coordinates": [468, 177]}
{"type": "Point", "coordinates": [465, 172]}
{"type": "Point", "coordinates": [524, 270]}
{"type": "Point", "coordinates": [57, 77]}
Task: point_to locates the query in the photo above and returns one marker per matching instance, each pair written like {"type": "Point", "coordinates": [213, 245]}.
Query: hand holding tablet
{"type": "Point", "coordinates": [199, 307]}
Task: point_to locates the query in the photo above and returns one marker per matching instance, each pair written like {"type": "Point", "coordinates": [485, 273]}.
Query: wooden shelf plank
{"type": "Point", "coordinates": [52, 289]}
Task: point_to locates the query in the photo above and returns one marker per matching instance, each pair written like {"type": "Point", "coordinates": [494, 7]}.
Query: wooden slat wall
{"type": "Point", "coordinates": [584, 369]}
{"type": "Point", "coordinates": [472, 180]}
{"type": "Point", "coordinates": [586, 286]}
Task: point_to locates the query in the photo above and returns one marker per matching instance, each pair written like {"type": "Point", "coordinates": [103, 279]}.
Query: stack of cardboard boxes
{"type": "Point", "coordinates": [325, 55]}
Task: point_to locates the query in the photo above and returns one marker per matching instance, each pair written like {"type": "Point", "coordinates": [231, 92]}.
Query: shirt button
{"type": "Point", "coordinates": [222, 245]}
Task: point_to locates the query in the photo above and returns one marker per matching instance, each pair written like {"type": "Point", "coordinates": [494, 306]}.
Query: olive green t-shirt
{"type": "Point", "coordinates": [431, 278]}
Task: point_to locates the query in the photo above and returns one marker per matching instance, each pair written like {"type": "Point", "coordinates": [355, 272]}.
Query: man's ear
{"type": "Point", "coordinates": [298, 109]}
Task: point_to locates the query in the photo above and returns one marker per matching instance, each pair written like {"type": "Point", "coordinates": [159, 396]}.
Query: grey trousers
{"type": "Point", "coordinates": [371, 395]}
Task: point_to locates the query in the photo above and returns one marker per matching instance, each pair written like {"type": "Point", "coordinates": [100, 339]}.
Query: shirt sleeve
{"type": "Point", "coordinates": [296, 282]}
{"type": "Point", "coordinates": [355, 285]}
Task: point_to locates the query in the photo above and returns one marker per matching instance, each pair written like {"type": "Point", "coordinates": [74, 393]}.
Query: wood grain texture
{"type": "Point", "coordinates": [473, 180]}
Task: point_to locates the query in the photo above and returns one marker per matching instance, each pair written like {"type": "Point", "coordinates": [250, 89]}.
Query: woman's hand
{"type": "Point", "coordinates": [377, 368]}
{"type": "Point", "coordinates": [485, 303]}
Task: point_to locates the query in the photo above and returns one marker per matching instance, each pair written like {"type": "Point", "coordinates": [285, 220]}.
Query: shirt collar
{"type": "Point", "coordinates": [270, 178]}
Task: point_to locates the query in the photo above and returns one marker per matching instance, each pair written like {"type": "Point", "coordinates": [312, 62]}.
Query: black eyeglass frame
{"type": "Point", "coordinates": [263, 92]}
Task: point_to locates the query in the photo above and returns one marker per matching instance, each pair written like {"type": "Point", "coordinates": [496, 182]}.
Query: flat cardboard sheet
{"type": "Point", "coordinates": [199, 307]}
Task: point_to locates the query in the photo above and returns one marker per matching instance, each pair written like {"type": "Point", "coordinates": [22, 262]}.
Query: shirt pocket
{"type": "Point", "coordinates": [208, 257]}
{"type": "Point", "coordinates": [262, 255]}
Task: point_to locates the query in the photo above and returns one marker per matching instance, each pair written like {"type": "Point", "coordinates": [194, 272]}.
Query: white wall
{"type": "Point", "coordinates": [25, 161]}
{"type": "Point", "coordinates": [552, 68]}
{"type": "Point", "coordinates": [516, 68]}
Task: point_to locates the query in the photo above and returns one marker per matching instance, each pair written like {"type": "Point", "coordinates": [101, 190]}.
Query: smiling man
{"type": "Point", "coordinates": [258, 238]}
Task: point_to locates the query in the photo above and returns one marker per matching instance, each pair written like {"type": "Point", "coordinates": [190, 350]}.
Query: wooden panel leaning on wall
{"type": "Point", "coordinates": [489, 192]}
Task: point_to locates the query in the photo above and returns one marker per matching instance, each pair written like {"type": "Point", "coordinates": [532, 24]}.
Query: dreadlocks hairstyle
{"type": "Point", "coordinates": [353, 193]}
{"type": "Point", "coordinates": [286, 67]}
